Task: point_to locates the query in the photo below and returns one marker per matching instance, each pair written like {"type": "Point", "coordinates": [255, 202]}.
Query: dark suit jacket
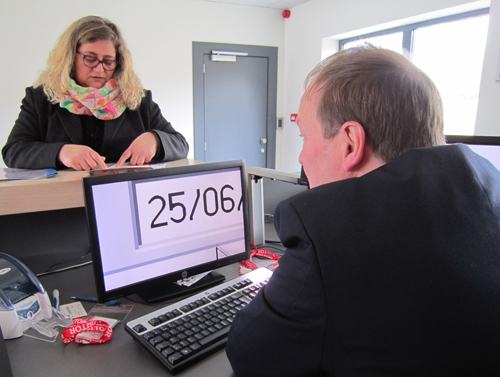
{"type": "Point", "coordinates": [42, 128]}
{"type": "Point", "coordinates": [395, 273]}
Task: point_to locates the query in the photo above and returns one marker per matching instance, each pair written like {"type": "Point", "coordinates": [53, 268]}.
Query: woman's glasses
{"type": "Point", "coordinates": [92, 62]}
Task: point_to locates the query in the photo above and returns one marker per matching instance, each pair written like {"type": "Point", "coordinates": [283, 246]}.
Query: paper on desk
{"type": "Point", "coordinates": [187, 282]}
{"type": "Point", "coordinates": [128, 165]}
{"type": "Point", "coordinates": [126, 168]}
{"type": "Point", "coordinates": [73, 310]}
{"type": "Point", "coordinates": [14, 173]}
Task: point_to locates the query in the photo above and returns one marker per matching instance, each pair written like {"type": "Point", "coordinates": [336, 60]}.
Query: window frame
{"type": "Point", "coordinates": [410, 28]}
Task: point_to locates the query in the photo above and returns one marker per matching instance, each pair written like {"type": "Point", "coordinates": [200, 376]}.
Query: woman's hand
{"type": "Point", "coordinates": [141, 151]}
{"type": "Point", "coordinates": [80, 157]}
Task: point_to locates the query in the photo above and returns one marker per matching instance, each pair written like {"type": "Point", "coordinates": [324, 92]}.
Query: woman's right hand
{"type": "Point", "coordinates": [80, 157]}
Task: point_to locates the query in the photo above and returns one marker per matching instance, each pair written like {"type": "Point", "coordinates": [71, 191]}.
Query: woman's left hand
{"type": "Point", "coordinates": [141, 151]}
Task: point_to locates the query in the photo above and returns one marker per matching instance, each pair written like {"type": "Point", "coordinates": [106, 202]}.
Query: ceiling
{"type": "Point", "coordinates": [277, 4]}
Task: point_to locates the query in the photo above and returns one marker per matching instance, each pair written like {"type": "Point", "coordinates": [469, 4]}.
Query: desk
{"type": "Point", "coordinates": [121, 356]}
{"type": "Point", "coordinates": [63, 191]}
{"type": "Point", "coordinates": [35, 246]}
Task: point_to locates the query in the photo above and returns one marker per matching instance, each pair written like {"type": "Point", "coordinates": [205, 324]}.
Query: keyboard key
{"type": "Point", "coordinates": [214, 337]}
{"type": "Point", "coordinates": [176, 347]}
{"type": "Point", "coordinates": [236, 296]}
{"type": "Point", "coordinates": [175, 358]}
{"type": "Point", "coordinates": [167, 352]}
{"type": "Point", "coordinates": [154, 322]}
{"type": "Point", "coordinates": [156, 340]}
{"type": "Point", "coordinates": [161, 346]}
{"type": "Point", "coordinates": [173, 330]}
{"type": "Point", "coordinates": [173, 340]}
{"type": "Point", "coordinates": [162, 318]}
{"type": "Point", "coordinates": [186, 351]}
{"type": "Point", "coordinates": [195, 346]}
{"type": "Point", "coordinates": [177, 312]}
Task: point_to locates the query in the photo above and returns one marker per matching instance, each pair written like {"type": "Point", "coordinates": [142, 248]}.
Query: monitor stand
{"type": "Point", "coordinates": [174, 290]}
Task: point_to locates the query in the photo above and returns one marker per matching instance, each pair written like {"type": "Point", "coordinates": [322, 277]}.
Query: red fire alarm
{"type": "Point", "coordinates": [286, 13]}
{"type": "Point", "coordinates": [293, 117]}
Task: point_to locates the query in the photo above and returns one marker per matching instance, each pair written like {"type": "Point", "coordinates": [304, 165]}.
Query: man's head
{"type": "Point", "coordinates": [362, 108]}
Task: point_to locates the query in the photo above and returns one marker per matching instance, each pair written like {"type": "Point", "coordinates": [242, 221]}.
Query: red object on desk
{"type": "Point", "coordinates": [81, 325]}
{"type": "Point", "coordinates": [262, 253]}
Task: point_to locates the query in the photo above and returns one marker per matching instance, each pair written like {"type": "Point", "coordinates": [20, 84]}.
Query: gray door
{"type": "Point", "coordinates": [236, 110]}
{"type": "Point", "coordinates": [235, 117]}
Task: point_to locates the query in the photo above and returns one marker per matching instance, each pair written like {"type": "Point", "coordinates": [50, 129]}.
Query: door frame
{"type": "Point", "coordinates": [269, 52]}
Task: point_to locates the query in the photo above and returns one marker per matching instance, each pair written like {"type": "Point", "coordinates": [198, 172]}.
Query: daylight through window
{"type": "Point", "coordinates": [451, 51]}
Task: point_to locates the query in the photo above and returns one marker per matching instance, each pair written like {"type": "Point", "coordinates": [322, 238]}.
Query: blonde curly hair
{"type": "Point", "coordinates": [61, 61]}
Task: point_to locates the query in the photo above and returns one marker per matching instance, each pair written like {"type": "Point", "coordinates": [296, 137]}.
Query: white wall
{"type": "Point", "coordinates": [159, 33]}
{"type": "Point", "coordinates": [315, 20]}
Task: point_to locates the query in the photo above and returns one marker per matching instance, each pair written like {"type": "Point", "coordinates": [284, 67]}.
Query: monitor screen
{"type": "Point", "coordinates": [485, 146]}
{"type": "Point", "coordinates": [151, 228]}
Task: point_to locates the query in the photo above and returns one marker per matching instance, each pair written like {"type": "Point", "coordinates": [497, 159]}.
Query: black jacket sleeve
{"type": "Point", "coordinates": [32, 143]}
{"type": "Point", "coordinates": [173, 146]}
{"type": "Point", "coordinates": [281, 332]}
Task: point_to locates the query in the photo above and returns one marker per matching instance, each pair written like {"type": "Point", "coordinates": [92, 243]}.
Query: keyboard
{"type": "Point", "coordinates": [189, 330]}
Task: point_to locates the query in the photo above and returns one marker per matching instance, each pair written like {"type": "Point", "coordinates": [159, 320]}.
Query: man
{"type": "Point", "coordinates": [392, 265]}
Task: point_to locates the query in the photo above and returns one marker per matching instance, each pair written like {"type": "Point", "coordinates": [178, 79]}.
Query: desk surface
{"type": "Point", "coordinates": [62, 191]}
{"type": "Point", "coordinates": [121, 356]}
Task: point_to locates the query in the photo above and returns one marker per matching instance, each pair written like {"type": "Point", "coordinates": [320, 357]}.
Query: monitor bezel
{"type": "Point", "coordinates": [161, 282]}
{"type": "Point", "coordinates": [473, 139]}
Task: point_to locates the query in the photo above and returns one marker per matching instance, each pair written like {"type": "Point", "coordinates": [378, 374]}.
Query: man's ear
{"type": "Point", "coordinates": [353, 137]}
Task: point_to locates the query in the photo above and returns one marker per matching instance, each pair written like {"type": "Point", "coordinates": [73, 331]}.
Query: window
{"type": "Point", "coordinates": [451, 51]}
{"type": "Point", "coordinates": [392, 41]}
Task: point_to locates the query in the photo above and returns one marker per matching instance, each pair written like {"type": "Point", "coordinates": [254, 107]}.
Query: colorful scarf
{"type": "Point", "coordinates": [105, 103]}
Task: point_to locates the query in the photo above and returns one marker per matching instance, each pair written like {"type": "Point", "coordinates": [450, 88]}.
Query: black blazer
{"type": "Point", "coordinates": [395, 273]}
{"type": "Point", "coordinates": [42, 128]}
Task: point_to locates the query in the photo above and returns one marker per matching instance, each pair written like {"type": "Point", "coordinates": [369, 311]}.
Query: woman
{"type": "Point", "coordinates": [89, 107]}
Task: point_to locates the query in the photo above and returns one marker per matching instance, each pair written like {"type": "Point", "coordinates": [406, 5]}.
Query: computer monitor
{"type": "Point", "coordinates": [151, 228]}
{"type": "Point", "coordinates": [485, 146]}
